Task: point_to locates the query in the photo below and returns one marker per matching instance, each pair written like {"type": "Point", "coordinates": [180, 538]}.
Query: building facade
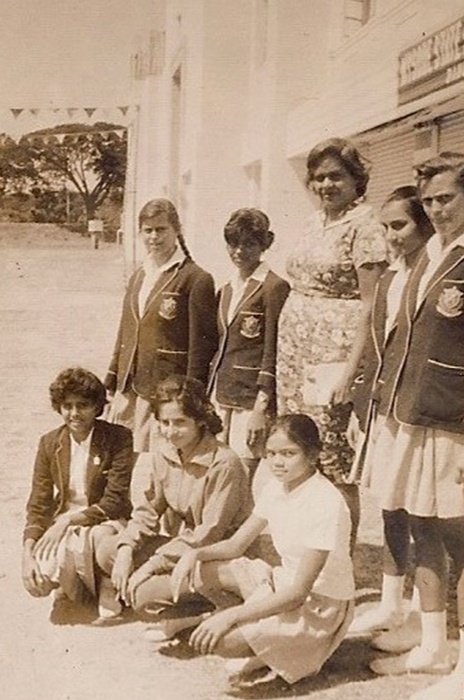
{"type": "Point", "coordinates": [232, 94]}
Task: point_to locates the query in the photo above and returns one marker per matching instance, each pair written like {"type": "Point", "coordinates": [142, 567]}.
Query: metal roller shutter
{"type": "Point", "coordinates": [451, 135]}
{"type": "Point", "coordinates": [392, 165]}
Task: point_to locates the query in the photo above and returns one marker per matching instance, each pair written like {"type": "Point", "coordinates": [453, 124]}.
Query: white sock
{"type": "Point", "coordinates": [433, 632]}
{"type": "Point", "coordinates": [392, 593]}
{"type": "Point", "coordinates": [414, 606]}
{"type": "Point", "coordinates": [459, 668]}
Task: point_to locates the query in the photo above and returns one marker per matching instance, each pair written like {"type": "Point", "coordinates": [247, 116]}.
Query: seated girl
{"type": "Point", "coordinates": [290, 618]}
{"type": "Point", "coordinates": [200, 483]}
{"type": "Point", "coordinates": [81, 478]}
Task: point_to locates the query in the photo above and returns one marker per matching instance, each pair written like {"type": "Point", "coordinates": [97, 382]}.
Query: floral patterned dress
{"type": "Point", "coordinates": [318, 323]}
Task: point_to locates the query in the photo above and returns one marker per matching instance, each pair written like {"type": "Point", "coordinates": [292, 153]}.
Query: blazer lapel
{"type": "Point", "coordinates": [163, 281]}
{"type": "Point", "coordinates": [380, 311]}
{"type": "Point", "coordinates": [251, 288]}
{"type": "Point", "coordinates": [135, 293]}
{"type": "Point", "coordinates": [224, 304]}
{"type": "Point", "coordinates": [96, 453]}
{"type": "Point", "coordinates": [63, 460]}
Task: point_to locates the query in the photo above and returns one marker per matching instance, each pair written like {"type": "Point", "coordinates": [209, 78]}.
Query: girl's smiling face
{"type": "Point", "coordinates": [287, 461]}
{"type": "Point", "coordinates": [182, 431]}
{"type": "Point", "coordinates": [79, 415]}
{"type": "Point", "coordinates": [402, 233]}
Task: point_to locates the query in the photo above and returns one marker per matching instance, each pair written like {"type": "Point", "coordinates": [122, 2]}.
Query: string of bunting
{"type": "Point", "coordinates": [71, 112]}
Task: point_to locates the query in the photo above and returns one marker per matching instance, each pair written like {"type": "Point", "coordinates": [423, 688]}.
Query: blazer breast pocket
{"type": "Point", "coordinates": [450, 301]}
{"type": "Point", "coordinates": [251, 324]}
{"type": "Point", "coordinates": [169, 305]}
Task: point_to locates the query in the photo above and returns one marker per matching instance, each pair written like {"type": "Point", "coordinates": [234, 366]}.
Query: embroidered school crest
{"type": "Point", "coordinates": [168, 308]}
{"type": "Point", "coordinates": [251, 326]}
{"type": "Point", "coordinates": [450, 302]}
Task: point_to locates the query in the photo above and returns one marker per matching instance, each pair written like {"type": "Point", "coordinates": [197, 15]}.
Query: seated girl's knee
{"type": "Point", "coordinates": [105, 545]}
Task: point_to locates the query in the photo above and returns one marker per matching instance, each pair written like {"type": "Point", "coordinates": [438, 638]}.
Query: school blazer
{"type": "Point", "coordinates": [424, 384]}
{"type": "Point", "coordinates": [246, 359]}
{"type": "Point", "coordinates": [175, 334]}
{"type": "Point", "coordinates": [367, 385]}
{"type": "Point", "coordinates": [108, 477]}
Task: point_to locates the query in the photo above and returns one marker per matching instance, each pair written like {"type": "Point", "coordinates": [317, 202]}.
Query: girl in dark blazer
{"type": "Point", "coordinates": [407, 230]}
{"type": "Point", "coordinates": [421, 443]}
{"type": "Point", "coordinates": [243, 374]}
{"type": "Point", "coordinates": [81, 478]}
{"type": "Point", "coordinates": [167, 324]}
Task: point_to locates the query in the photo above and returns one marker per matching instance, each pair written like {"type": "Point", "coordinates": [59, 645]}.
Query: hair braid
{"type": "Point", "coordinates": [183, 245]}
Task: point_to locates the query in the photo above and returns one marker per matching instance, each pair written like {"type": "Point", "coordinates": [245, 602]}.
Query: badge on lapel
{"type": "Point", "coordinates": [251, 325]}
{"type": "Point", "coordinates": [450, 302]}
{"type": "Point", "coordinates": [168, 308]}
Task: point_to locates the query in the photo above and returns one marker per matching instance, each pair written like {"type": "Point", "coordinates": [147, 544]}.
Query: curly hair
{"type": "Point", "coordinates": [410, 196]}
{"type": "Point", "coordinates": [349, 157]}
{"type": "Point", "coordinates": [80, 382]}
{"type": "Point", "coordinates": [300, 429]}
{"type": "Point", "coordinates": [445, 162]}
{"type": "Point", "coordinates": [156, 207]}
{"type": "Point", "coordinates": [191, 396]}
{"type": "Point", "coordinates": [248, 225]}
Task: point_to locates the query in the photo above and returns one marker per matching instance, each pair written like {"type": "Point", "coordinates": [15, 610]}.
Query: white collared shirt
{"type": "Point", "coordinates": [238, 287]}
{"type": "Point", "coordinates": [153, 272]}
{"type": "Point", "coordinates": [436, 253]}
{"type": "Point", "coordinates": [80, 453]}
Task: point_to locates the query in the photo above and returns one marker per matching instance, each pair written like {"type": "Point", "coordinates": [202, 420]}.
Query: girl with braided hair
{"type": "Point", "coordinates": [167, 323]}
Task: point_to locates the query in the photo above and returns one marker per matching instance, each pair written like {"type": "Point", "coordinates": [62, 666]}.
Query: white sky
{"type": "Point", "coordinates": [60, 53]}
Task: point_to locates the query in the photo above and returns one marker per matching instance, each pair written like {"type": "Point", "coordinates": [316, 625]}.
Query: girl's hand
{"type": "Point", "coordinates": [205, 637]}
{"type": "Point", "coordinates": [459, 475]}
{"type": "Point", "coordinates": [48, 543]}
{"type": "Point", "coordinates": [353, 431]}
{"type": "Point", "coordinates": [183, 573]}
{"type": "Point", "coordinates": [152, 567]}
{"type": "Point", "coordinates": [34, 582]}
{"type": "Point", "coordinates": [341, 392]}
{"type": "Point", "coordinates": [256, 429]}
{"type": "Point", "coordinates": [122, 569]}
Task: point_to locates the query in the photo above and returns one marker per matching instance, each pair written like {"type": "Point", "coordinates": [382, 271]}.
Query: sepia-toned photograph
{"type": "Point", "coordinates": [232, 349]}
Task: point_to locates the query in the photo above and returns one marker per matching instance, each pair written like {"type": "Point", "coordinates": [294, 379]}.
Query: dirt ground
{"type": "Point", "coordinates": [59, 305]}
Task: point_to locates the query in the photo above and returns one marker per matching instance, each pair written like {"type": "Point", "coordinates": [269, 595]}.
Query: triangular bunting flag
{"type": "Point", "coordinates": [89, 111]}
{"type": "Point", "coordinates": [60, 137]}
{"type": "Point", "coordinates": [55, 110]}
{"type": "Point", "coordinates": [123, 110]}
{"type": "Point", "coordinates": [72, 111]}
{"type": "Point", "coordinates": [34, 112]}
{"type": "Point", "coordinates": [16, 112]}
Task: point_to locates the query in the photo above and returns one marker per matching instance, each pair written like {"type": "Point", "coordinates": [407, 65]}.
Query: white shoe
{"type": "Point", "coordinates": [418, 660]}
{"type": "Point", "coordinates": [109, 605]}
{"type": "Point", "coordinates": [402, 638]}
{"type": "Point", "coordinates": [375, 620]}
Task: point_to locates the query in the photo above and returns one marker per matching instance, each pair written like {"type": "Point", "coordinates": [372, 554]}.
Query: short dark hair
{"type": "Point", "coordinates": [80, 382]}
{"type": "Point", "coordinates": [410, 196]}
{"type": "Point", "coordinates": [250, 225]}
{"type": "Point", "coordinates": [347, 154]}
{"type": "Point", "coordinates": [445, 162]}
{"type": "Point", "coordinates": [191, 396]}
{"type": "Point", "coordinates": [300, 429]}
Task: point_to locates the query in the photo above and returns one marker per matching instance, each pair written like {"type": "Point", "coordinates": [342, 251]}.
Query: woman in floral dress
{"type": "Point", "coordinates": [333, 271]}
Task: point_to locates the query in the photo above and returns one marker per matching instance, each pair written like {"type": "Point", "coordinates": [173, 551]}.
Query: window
{"type": "Point", "coordinates": [357, 14]}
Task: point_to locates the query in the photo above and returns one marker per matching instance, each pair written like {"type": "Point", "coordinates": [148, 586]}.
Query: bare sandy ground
{"type": "Point", "coordinates": [59, 305]}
